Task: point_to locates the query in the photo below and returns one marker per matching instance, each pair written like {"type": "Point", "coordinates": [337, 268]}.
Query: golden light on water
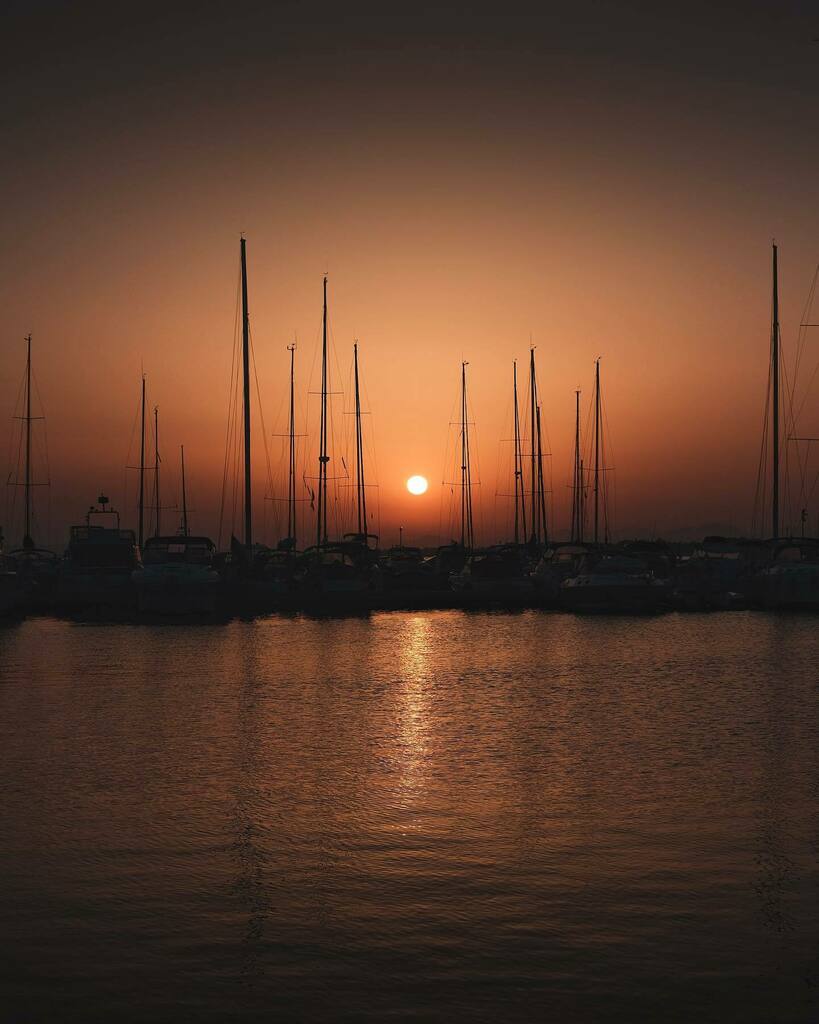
{"type": "Point", "coordinates": [417, 485]}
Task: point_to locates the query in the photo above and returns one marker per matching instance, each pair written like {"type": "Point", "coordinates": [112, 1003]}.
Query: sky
{"type": "Point", "coordinates": [596, 179]}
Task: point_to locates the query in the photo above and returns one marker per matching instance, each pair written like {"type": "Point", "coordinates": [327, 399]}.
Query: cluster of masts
{"type": "Point", "coordinates": [142, 469]}
{"type": "Point", "coordinates": [530, 514]}
{"type": "Point", "coordinates": [530, 518]}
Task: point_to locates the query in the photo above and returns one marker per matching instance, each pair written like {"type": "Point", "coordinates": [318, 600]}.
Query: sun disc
{"type": "Point", "coordinates": [417, 484]}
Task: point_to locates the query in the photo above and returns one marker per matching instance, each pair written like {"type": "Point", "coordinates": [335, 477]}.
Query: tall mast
{"type": "Point", "coordinates": [361, 497]}
{"type": "Point", "coordinates": [597, 448]}
{"type": "Point", "coordinates": [27, 541]}
{"type": "Point", "coordinates": [520, 491]}
{"type": "Point", "coordinates": [291, 486]}
{"type": "Point", "coordinates": [142, 469]}
{"type": "Point", "coordinates": [775, 382]}
{"type": "Point", "coordinates": [246, 400]}
{"type": "Point", "coordinates": [577, 500]}
{"type": "Point", "coordinates": [157, 506]}
{"type": "Point", "coordinates": [582, 506]}
{"type": "Point", "coordinates": [184, 496]}
{"type": "Point", "coordinates": [321, 516]}
{"type": "Point", "coordinates": [467, 533]}
{"type": "Point", "coordinates": [532, 429]}
{"type": "Point", "coordinates": [540, 488]}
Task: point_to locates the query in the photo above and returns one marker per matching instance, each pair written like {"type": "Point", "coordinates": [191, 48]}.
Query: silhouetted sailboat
{"type": "Point", "coordinates": [610, 579]}
{"type": "Point", "coordinates": [177, 575]}
{"type": "Point", "coordinates": [560, 561]}
{"type": "Point", "coordinates": [277, 569]}
{"type": "Point", "coordinates": [501, 573]}
{"type": "Point", "coordinates": [791, 580]}
{"type": "Point", "coordinates": [362, 536]}
{"type": "Point", "coordinates": [336, 571]}
{"type": "Point", "coordinates": [36, 567]}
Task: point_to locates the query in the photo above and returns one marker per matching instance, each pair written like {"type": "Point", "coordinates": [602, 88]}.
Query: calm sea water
{"type": "Point", "coordinates": [436, 816]}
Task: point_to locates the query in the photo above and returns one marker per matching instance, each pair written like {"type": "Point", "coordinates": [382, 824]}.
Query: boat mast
{"type": "Point", "coordinates": [577, 522]}
{"type": "Point", "coordinates": [184, 496]}
{"type": "Point", "coordinates": [321, 516]}
{"type": "Point", "coordinates": [541, 488]}
{"type": "Point", "coordinates": [246, 398]}
{"type": "Point", "coordinates": [142, 469]}
{"type": "Point", "coordinates": [582, 504]}
{"type": "Point", "coordinates": [27, 541]}
{"type": "Point", "coordinates": [520, 493]}
{"type": "Point", "coordinates": [291, 486]}
{"type": "Point", "coordinates": [775, 383]}
{"type": "Point", "coordinates": [532, 429]}
{"type": "Point", "coordinates": [361, 498]}
{"type": "Point", "coordinates": [467, 533]}
{"type": "Point", "coordinates": [157, 508]}
{"type": "Point", "coordinates": [596, 448]}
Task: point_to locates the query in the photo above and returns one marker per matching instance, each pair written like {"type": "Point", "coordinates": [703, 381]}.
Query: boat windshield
{"type": "Point", "coordinates": [177, 549]}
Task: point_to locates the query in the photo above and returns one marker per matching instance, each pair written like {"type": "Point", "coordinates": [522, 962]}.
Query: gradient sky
{"type": "Point", "coordinates": [602, 178]}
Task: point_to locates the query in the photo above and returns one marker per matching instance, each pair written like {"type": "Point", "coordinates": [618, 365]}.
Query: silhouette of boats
{"type": "Point", "coordinates": [99, 561]}
{"type": "Point", "coordinates": [108, 567]}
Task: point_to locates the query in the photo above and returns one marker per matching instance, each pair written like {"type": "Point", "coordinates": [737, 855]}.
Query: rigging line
{"type": "Point", "coordinates": [230, 413]}
{"type": "Point", "coordinates": [371, 455]}
{"type": "Point", "coordinates": [804, 321]}
{"type": "Point", "coordinates": [15, 470]}
{"type": "Point", "coordinates": [44, 450]}
{"type": "Point", "coordinates": [807, 391]}
{"type": "Point", "coordinates": [261, 411]}
{"type": "Point", "coordinates": [760, 497]}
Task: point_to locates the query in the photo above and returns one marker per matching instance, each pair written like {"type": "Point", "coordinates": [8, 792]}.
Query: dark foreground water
{"type": "Point", "coordinates": [433, 816]}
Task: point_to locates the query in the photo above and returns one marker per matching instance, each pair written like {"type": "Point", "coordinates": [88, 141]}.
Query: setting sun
{"type": "Point", "coordinates": [417, 485]}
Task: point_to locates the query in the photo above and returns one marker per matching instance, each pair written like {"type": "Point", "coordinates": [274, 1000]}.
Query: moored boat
{"type": "Point", "coordinates": [500, 575]}
{"type": "Point", "coordinates": [11, 598]}
{"type": "Point", "coordinates": [99, 562]}
{"type": "Point", "coordinates": [615, 584]}
{"type": "Point", "coordinates": [177, 576]}
{"type": "Point", "coordinates": [791, 580]}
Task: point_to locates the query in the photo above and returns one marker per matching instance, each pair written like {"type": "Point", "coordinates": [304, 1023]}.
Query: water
{"type": "Point", "coordinates": [425, 817]}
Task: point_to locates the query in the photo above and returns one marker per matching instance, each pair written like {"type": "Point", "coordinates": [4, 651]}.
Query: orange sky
{"type": "Point", "coordinates": [465, 193]}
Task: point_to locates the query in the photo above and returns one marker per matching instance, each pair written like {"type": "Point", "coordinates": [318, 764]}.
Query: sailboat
{"type": "Point", "coordinates": [177, 575]}
{"type": "Point", "coordinates": [791, 579]}
{"type": "Point", "coordinates": [500, 574]}
{"type": "Point", "coordinates": [36, 567]}
{"type": "Point", "coordinates": [277, 568]}
{"type": "Point", "coordinates": [561, 561]}
{"type": "Point", "coordinates": [346, 570]}
{"type": "Point", "coordinates": [610, 580]}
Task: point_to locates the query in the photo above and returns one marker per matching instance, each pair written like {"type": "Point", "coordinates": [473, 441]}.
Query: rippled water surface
{"type": "Point", "coordinates": [435, 816]}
